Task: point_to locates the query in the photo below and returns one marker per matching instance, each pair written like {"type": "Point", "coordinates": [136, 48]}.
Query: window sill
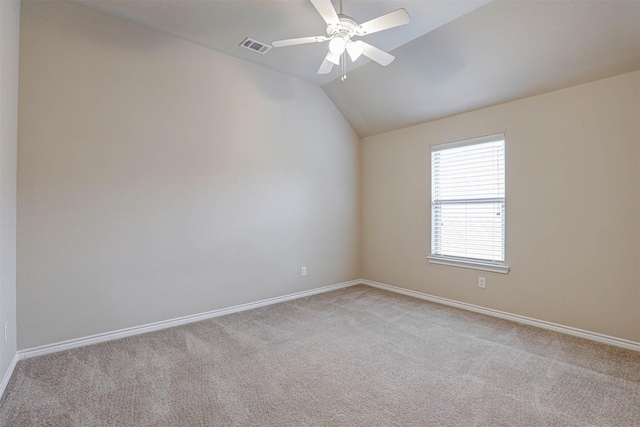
{"type": "Point", "coordinates": [477, 265]}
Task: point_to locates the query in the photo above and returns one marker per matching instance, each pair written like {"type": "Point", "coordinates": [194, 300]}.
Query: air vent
{"type": "Point", "coordinates": [255, 46]}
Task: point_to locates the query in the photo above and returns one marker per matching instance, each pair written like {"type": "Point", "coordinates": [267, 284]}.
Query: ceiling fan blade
{"type": "Point", "coordinates": [392, 19]}
{"type": "Point", "coordinates": [300, 40]}
{"type": "Point", "coordinates": [326, 66]}
{"type": "Point", "coordinates": [326, 10]}
{"type": "Point", "coordinates": [380, 56]}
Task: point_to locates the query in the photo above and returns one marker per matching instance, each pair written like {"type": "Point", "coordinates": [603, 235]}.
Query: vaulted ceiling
{"type": "Point", "coordinates": [454, 56]}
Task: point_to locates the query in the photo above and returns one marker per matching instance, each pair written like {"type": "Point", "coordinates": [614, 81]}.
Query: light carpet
{"type": "Point", "coordinates": [352, 357]}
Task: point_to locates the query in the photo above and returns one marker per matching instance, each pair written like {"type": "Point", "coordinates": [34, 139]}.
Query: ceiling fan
{"type": "Point", "coordinates": [340, 30]}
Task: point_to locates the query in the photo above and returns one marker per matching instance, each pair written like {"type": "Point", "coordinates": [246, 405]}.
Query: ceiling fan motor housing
{"type": "Point", "coordinates": [346, 28]}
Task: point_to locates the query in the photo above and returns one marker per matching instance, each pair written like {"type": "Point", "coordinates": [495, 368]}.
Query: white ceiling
{"type": "Point", "coordinates": [223, 24]}
{"type": "Point", "coordinates": [454, 56]}
{"type": "Point", "coordinates": [500, 52]}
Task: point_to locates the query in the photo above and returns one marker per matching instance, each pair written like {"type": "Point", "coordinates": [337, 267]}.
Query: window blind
{"type": "Point", "coordinates": [468, 199]}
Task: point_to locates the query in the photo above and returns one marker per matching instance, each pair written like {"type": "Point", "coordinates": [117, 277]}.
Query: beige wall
{"type": "Point", "coordinates": [573, 208]}
{"type": "Point", "coordinates": [158, 179]}
{"type": "Point", "coordinates": [9, 35]}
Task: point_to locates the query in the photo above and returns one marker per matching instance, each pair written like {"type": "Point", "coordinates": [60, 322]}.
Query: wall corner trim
{"type": "Point", "coordinates": [8, 374]}
{"type": "Point", "coordinates": [568, 330]}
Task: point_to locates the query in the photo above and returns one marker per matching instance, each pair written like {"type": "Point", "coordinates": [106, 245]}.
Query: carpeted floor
{"type": "Point", "coordinates": [355, 357]}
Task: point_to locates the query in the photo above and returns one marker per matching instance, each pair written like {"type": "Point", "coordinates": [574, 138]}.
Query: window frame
{"type": "Point", "coordinates": [467, 262]}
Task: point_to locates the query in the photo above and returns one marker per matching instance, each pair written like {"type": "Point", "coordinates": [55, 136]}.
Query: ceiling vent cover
{"type": "Point", "coordinates": [255, 46]}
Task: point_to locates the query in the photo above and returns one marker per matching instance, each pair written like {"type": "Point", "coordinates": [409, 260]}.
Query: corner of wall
{"type": "Point", "coordinates": [9, 43]}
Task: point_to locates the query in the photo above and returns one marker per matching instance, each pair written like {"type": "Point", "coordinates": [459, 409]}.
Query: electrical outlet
{"type": "Point", "coordinates": [6, 331]}
{"type": "Point", "coordinates": [303, 271]}
{"type": "Point", "coordinates": [481, 282]}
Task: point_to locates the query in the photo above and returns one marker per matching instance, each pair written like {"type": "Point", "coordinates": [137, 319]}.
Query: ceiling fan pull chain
{"type": "Point", "coordinates": [344, 63]}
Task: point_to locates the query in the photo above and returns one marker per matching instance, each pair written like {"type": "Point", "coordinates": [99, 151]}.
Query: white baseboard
{"type": "Point", "coordinates": [593, 336]}
{"type": "Point", "coordinates": [7, 375]}
{"type": "Point", "coordinates": [136, 330]}
{"type": "Point", "coordinates": [150, 327]}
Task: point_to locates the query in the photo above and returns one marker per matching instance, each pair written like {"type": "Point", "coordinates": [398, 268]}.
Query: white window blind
{"type": "Point", "coordinates": [468, 200]}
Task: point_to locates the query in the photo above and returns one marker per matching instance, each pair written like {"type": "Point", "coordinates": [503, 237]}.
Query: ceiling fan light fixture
{"type": "Point", "coordinates": [355, 49]}
{"type": "Point", "coordinates": [337, 46]}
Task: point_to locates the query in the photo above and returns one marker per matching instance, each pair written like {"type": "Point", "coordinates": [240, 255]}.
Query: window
{"type": "Point", "coordinates": [468, 203]}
